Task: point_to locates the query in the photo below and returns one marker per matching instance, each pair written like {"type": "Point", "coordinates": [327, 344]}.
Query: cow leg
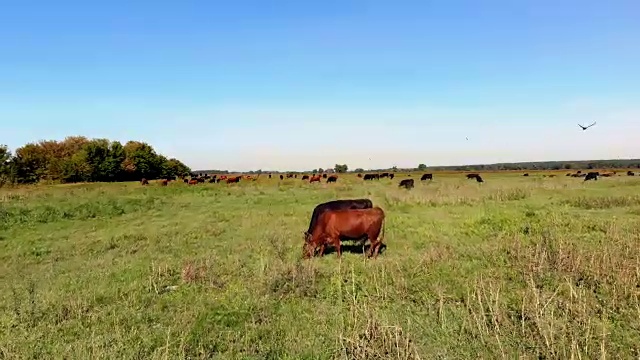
{"type": "Point", "coordinates": [336, 243]}
{"type": "Point", "coordinates": [378, 245]}
{"type": "Point", "coordinates": [375, 243]}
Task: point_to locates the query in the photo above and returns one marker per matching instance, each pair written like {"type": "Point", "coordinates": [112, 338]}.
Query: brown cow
{"type": "Point", "coordinates": [332, 178]}
{"type": "Point", "coordinates": [164, 182]}
{"type": "Point", "coordinates": [193, 182]}
{"type": "Point", "coordinates": [144, 181]}
{"type": "Point", "coordinates": [315, 178]}
{"type": "Point", "coordinates": [235, 179]}
{"type": "Point", "coordinates": [352, 223]}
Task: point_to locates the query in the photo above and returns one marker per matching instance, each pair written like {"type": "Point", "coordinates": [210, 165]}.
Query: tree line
{"type": "Point", "coordinates": [79, 159]}
{"type": "Point", "coordinates": [545, 165]}
{"type": "Point", "coordinates": [524, 166]}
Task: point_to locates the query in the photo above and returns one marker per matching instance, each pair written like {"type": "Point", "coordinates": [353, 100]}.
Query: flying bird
{"type": "Point", "coordinates": [586, 127]}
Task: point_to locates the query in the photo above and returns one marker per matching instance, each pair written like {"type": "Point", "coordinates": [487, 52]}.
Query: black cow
{"type": "Point", "coordinates": [332, 178]}
{"type": "Point", "coordinates": [324, 176]}
{"type": "Point", "coordinates": [281, 177]}
{"type": "Point", "coordinates": [269, 176]}
{"type": "Point", "coordinates": [527, 174]}
{"type": "Point", "coordinates": [630, 173]}
{"type": "Point", "coordinates": [406, 183]}
{"type": "Point", "coordinates": [384, 175]}
{"type": "Point", "coordinates": [591, 176]}
{"type": "Point", "coordinates": [479, 178]}
{"type": "Point", "coordinates": [335, 205]}
{"type": "Point", "coordinates": [426, 177]}
{"type": "Point", "coordinates": [305, 177]}
{"type": "Point", "coordinates": [368, 177]}
{"type": "Point", "coordinates": [391, 176]}
{"type": "Point", "coordinates": [472, 176]}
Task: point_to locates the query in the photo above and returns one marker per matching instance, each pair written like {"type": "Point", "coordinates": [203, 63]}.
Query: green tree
{"type": "Point", "coordinates": [341, 168]}
{"type": "Point", "coordinates": [31, 163]}
{"type": "Point", "coordinates": [320, 170]}
{"type": "Point", "coordinates": [76, 168]}
{"type": "Point", "coordinates": [422, 167]}
{"type": "Point", "coordinates": [7, 173]}
{"type": "Point", "coordinates": [144, 160]}
{"type": "Point", "coordinates": [359, 170]}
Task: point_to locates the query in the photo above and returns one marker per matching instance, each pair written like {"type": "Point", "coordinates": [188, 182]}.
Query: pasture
{"type": "Point", "coordinates": [527, 267]}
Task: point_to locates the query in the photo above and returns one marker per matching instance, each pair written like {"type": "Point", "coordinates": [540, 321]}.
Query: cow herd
{"type": "Point", "coordinates": [348, 219]}
{"type": "Point", "coordinates": [202, 178]}
{"type": "Point", "coordinates": [404, 183]}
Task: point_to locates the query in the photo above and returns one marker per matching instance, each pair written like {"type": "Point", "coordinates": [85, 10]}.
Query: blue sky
{"type": "Point", "coordinates": [280, 84]}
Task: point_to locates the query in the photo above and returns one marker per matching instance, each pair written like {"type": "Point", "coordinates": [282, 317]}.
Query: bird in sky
{"type": "Point", "coordinates": [586, 127]}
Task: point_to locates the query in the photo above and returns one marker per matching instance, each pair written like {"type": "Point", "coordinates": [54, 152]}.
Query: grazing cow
{"type": "Point", "coordinates": [472, 176]}
{"type": "Point", "coordinates": [352, 223]}
{"type": "Point", "coordinates": [324, 176]}
{"type": "Point", "coordinates": [235, 179]}
{"type": "Point", "coordinates": [332, 178]}
{"type": "Point", "coordinates": [186, 181]}
{"type": "Point", "coordinates": [269, 176]}
{"type": "Point", "coordinates": [335, 205]}
{"type": "Point", "coordinates": [289, 176]}
{"type": "Point", "coordinates": [315, 178]}
{"type": "Point", "coordinates": [218, 180]}
{"type": "Point", "coordinates": [193, 182]}
{"type": "Point", "coordinates": [479, 178]}
{"type": "Point", "coordinates": [359, 175]}
{"type": "Point", "coordinates": [201, 180]}
{"type": "Point", "coordinates": [223, 177]}
{"type": "Point", "coordinates": [391, 176]}
{"type": "Point", "coordinates": [144, 181]}
{"type": "Point", "coordinates": [525, 174]}
{"type": "Point", "coordinates": [164, 182]}
{"type": "Point", "coordinates": [383, 175]}
{"type": "Point", "coordinates": [281, 177]}
{"type": "Point", "coordinates": [305, 177]}
{"type": "Point", "coordinates": [406, 183]}
{"type": "Point", "coordinates": [630, 173]}
{"type": "Point", "coordinates": [295, 176]}
{"type": "Point", "coordinates": [368, 177]}
{"type": "Point", "coordinates": [568, 174]}
{"type": "Point", "coordinates": [591, 176]}
{"type": "Point", "coordinates": [426, 177]}
{"type": "Point", "coordinates": [212, 180]}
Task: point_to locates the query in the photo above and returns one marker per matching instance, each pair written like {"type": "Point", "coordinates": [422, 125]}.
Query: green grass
{"type": "Point", "coordinates": [515, 267]}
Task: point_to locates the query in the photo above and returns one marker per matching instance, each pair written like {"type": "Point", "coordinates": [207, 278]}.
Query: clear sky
{"type": "Point", "coordinates": [249, 84]}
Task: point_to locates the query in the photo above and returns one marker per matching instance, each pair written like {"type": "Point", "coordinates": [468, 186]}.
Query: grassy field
{"type": "Point", "coordinates": [515, 267]}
